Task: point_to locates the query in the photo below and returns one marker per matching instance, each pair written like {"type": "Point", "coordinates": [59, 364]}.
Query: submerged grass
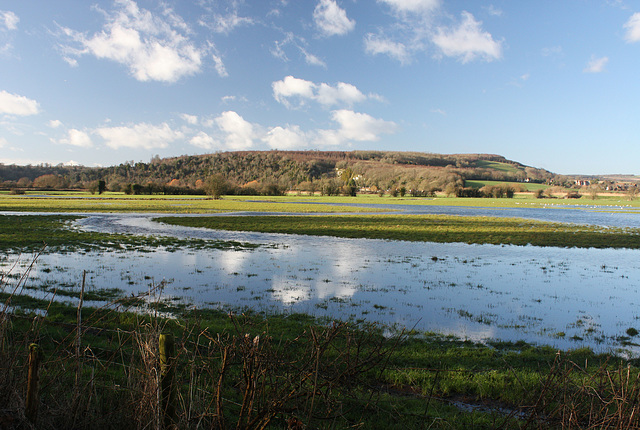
{"type": "Point", "coordinates": [428, 228]}
{"type": "Point", "coordinates": [29, 233]}
{"type": "Point", "coordinates": [103, 371]}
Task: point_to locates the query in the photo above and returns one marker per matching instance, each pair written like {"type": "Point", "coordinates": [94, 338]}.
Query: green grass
{"type": "Point", "coordinates": [496, 165]}
{"type": "Point", "coordinates": [292, 203]}
{"type": "Point", "coordinates": [529, 186]}
{"type": "Point", "coordinates": [111, 202]}
{"type": "Point", "coordinates": [418, 378]}
{"type": "Point", "coordinates": [31, 233]}
{"type": "Point", "coordinates": [428, 228]}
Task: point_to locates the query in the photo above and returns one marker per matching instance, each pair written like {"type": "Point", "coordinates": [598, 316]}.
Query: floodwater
{"type": "Point", "coordinates": [565, 297]}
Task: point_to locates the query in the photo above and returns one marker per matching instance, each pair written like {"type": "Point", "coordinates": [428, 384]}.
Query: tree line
{"type": "Point", "coordinates": [276, 172]}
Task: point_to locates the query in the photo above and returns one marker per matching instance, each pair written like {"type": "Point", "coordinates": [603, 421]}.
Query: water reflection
{"type": "Point", "coordinates": [565, 297]}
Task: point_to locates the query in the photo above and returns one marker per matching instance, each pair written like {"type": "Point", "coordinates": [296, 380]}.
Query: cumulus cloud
{"type": "Point", "coordinates": [596, 65]}
{"type": "Point", "coordinates": [331, 19]}
{"type": "Point", "coordinates": [361, 126]}
{"type": "Point", "coordinates": [152, 47]}
{"type": "Point", "coordinates": [375, 45]}
{"type": "Point", "coordinates": [301, 90]}
{"type": "Point", "coordinates": [189, 119]}
{"type": "Point", "coordinates": [203, 140]}
{"type": "Point", "coordinates": [143, 135]}
{"type": "Point", "coordinates": [632, 26]}
{"type": "Point", "coordinates": [354, 126]}
{"type": "Point", "coordinates": [77, 138]}
{"type": "Point", "coordinates": [13, 104]}
{"type": "Point", "coordinates": [8, 20]}
{"type": "Point", "coordinates": [420, 28]}
{"type": "Point", "coordinates": [54, 123]}
{"type": "Point", "coordinates": [239, 133]}
{"type": "Point", "coordinates": [467, 41]}
{"type": "Point", "coordinates": [289, 137]}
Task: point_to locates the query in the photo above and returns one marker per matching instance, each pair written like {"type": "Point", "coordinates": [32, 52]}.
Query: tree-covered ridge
{"type": "Point", "coordinates": [284, 170]}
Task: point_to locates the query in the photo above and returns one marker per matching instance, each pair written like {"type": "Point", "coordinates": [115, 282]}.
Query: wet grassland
{"type": "Point", "coordinates": [427, 228]}
{"type": "Point", "coordinates": [242, 368]}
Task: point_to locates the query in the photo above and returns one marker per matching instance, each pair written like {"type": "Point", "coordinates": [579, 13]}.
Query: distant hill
{"type": "Point", "coordinates": [286, 170]}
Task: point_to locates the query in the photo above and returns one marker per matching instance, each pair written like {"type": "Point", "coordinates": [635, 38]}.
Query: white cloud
{"type": "Point", "coordinates": [203, 140]}
{"type": "Point", "coordinates": [189, 119]}
{"type": "Point", "coordinates": [292, 87]}
{"type": "Point", "coordinates": [633, 28]}
{"type": "Point", "coordinates": [3, 142]}
{"type": "Point", "coordinates": [300, 44]}
{"type": "Point", "coordinates": [361, 126]}
{"type": "Point", "coordinates": [145, 136]}
{"type": "Point", "coordinates": [239, 133]}
{"type": "Point", "coordinates": [467, 41]}
{"type": "Point", "coordinates": [219, 66]}
{"type": "Point", "coordinates": [154, 48]}
{"type": "Point", "coordinates": [596, 65]}
{"type": "Point", "coordinates": [342, 93]}
{"type": "Point", "coordinates": [54, 123]}
{"type": "Point", "coordinates": [13, 104]}
{"type": "Point", "coordinates": [301, 90]}
{"type": "Point", "coordinates": [8, 20]}
{"type": "Point", "coordinates": [412, 6]}
{"type": "Point", "coordinates": [375, 45]}
{"type": "Point", "coordinates": [77, 138]}
{"type": "Point", "coordinates": [311, 59]}
{"type": "Point", "coordinates": [354, 126]}
{"type": "Point", "coordinates": [290, 137]}
{"type": "Point", "coordinates": [225, 23]}
{"type": "Point", "coordinates": [331, 19]}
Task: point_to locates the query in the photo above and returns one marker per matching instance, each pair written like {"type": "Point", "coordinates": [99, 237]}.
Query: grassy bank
{"type": "Point", "coordinates": [101, 368]}
{"type": "Point", "coordinates": [429, 228]}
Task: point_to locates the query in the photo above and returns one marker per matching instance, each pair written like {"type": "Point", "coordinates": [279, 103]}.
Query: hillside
{"type": "Point", "coordinates": [285, 170]}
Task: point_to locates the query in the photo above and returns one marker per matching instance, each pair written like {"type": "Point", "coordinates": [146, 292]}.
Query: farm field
{"type": "Point", "coordinates": [294, 203]}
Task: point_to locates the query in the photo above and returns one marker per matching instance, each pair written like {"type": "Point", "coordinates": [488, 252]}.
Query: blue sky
{"type": "Point", "coordinates": [552, 84]}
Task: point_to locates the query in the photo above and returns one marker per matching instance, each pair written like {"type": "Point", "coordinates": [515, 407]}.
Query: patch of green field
{"type": "Point", "coordinates": [427, 228]}
{"type": "Point", "coordinates": [31, 233]}
{"type": "Point", "coordinates": [292, 203]}
{"type": "Point", "coordinates": [84, 202]}
{"type": "Point", "coordinates": [528, 186]}
{"type": "Point", "coordinates": [496, 165]}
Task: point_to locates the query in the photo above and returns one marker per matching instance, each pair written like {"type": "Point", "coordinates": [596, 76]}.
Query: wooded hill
{"type": "Point", "coordinates": [284, 170]}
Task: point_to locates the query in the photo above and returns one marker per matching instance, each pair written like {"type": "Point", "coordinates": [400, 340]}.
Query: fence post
{"type": "Point", "coordinates": [167, 385]}
{"type": "Point", "coordinates": [31, 406]}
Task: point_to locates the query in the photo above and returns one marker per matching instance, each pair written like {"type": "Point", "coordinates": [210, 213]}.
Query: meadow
{"type": "Point", "coordinates": [427, 228]}
{"type": "Point", "coordinates": [101, 366]}
{"type": "Point", "coordinates": [292, 202]}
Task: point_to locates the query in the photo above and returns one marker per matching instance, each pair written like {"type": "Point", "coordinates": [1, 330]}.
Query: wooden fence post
{"type": "Point", "coordinates": [31, 406]}
{"type": "Point", "coordinates": [167, 383]}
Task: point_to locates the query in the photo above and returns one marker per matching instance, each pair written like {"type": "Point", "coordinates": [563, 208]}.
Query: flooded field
{"type": "Point", "coordinates": [560, 296]}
